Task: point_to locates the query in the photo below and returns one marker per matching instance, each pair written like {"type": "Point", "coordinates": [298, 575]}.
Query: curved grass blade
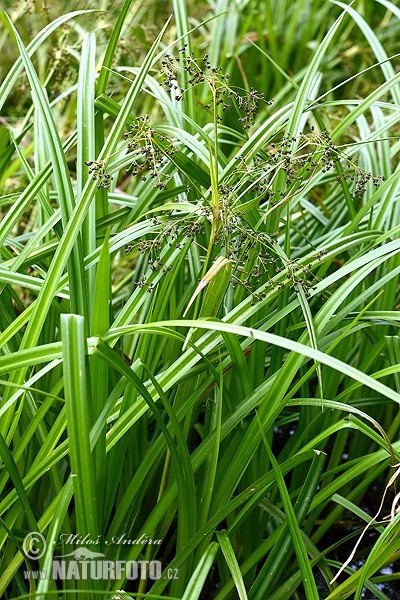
{"type": "Point", "coordinates": [231, 561]}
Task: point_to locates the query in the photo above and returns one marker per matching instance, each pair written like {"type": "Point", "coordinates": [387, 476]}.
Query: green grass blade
{"type": "Point", "coordinates": [79, 420]}
{"type": "Point", "coordinates": [231, 560]}
{"type": "Point", "coordinates": [309, 584]}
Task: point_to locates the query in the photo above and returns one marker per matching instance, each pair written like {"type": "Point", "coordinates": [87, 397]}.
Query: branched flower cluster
{"type": "Point", "coordinates": [98, 172]}
{"type": "Point", "coordinates": [256, 261]}
{"type": "Point", "coordinates": [249, 104]}
{"type": "Point", "coordinates": [172, 233]}
{"type": "Point", "coordinates": [361, 183]}
{"type": "Point", "coordinates": [300, 275]}
{"type": "Point", "coordinates": [153, 151]}
{"type": "Point", "coordinates": [314, 153]}
{"type": "Point", "coordinates": [200, 71]}
{"type": "Point", "coordinates": [252, 251]}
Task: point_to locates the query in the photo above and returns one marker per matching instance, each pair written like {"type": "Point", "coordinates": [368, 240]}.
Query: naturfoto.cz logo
{"type": "Point", "coordinates": [83, 564]}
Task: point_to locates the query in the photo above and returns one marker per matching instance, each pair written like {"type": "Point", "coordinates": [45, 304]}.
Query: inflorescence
{"type": "Point", "coordinates": [199, 71]}
{"type": "Point", "coordinates": [252, 250]}
{"type": "Point", "coordinates": [153, 151]}
{"type": "Point", "coordinates": [98, 172]}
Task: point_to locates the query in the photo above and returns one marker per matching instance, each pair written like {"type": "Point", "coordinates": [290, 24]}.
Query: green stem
{"type": "Point", "coordinates": [214, 197]}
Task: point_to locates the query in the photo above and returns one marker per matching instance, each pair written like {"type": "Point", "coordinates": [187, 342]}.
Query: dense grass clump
{"type": "Point", "coordinates": [199, 300]}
